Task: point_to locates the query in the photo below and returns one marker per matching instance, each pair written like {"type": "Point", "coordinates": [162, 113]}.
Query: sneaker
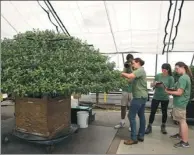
{"type": "Point", "coordinates": [120, 125]}
{"type": "Point", "coordinates": [130, 142]}
{"type": "Point", "coordinates": [182, 144]}
{"type": "Point", "coordinates": [176, 136]}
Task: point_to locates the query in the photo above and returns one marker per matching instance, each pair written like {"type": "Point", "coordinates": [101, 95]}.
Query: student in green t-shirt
{"type": "Point", "coordinates": [126, 93]}
{"type": "Point", "coordinates": [181, 98]}
{"type": "Point", "coordinates": [137, 106]}
{"type": "Point", "coordinates": [160, 96]}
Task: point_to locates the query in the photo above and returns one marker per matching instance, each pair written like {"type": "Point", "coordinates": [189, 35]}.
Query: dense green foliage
{"type": "Point", "coordinates": [34, 63]}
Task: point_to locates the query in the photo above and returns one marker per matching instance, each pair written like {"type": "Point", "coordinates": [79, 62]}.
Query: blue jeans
{"type": "Point", "coordinates": [137, 107]}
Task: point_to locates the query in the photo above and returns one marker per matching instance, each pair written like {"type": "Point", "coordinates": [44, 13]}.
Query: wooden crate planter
{"type": "Point", "coordinates": [43, 117]}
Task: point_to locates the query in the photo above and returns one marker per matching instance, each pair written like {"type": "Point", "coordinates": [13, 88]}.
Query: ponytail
{"type": "Point", "coordinates": [170, 71]}
{"type": "Point", "coordinates": [187, 69]}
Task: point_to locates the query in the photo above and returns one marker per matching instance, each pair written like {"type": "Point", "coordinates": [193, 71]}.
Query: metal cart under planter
{"type": "Point", "coordinates": [48, 143]}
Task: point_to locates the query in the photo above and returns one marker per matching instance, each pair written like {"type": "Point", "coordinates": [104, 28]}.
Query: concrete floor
{"type": "Point", "coordinates": [156, 143]}
{"type": "Point", "coordinates": [99, 138]}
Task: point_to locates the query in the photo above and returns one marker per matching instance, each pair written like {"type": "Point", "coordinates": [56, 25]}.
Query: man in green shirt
{"type": "Point", "coordinates": [127, 92]}
{"type": "Point", "coordinates": [181, 98]}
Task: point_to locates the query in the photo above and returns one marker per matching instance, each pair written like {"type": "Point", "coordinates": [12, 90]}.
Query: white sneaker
{"type": "Point", "coordinates": [120, 125]}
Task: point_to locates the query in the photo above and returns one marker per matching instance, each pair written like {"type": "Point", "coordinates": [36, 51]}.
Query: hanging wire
{"type": "Point", "coordinates": [58, 17]}
{"type": "Point", "coordinates": [168, 19]}
{"type": "Point", "coordinates": [9, 23]}
{"type": "Point", "coordinates": [172, 26]}
{"type": "Point", "coordinates": [19, 13]}
{"type": "Point", "coordinates": [48, 16]}
{"type": "Point", "coordinates": [180, 11]}
{"type": "Point", "coordinates": [54, 17]}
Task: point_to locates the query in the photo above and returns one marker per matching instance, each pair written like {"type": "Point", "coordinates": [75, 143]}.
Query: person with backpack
{"type": "Point", "coordinates": [160, 96]}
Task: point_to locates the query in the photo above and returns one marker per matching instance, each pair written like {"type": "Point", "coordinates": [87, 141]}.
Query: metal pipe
{"type": "Point", "coordinates": [123, 58]}
{"type": "Point", "coordinates": [110, 25]}
{"type": "Point", "coordinates": [156, 64]}
{"type": "Point", "coordinates": [192, 60]}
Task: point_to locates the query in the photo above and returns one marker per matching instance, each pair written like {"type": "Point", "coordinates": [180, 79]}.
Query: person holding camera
{"type": "Point", "coordinates": [160, 96]}
{"type": "Point", "coordinates": [137, 106]}
{"type": "Point", "coordinates": [127, 92]}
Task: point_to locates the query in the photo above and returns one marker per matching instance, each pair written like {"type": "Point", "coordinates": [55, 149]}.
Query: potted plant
{"type": "Point", "coordinates": [42, 69]}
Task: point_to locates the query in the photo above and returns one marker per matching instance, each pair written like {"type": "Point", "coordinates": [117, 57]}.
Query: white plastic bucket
{"type": "Point", "coordinates": [82, 119]}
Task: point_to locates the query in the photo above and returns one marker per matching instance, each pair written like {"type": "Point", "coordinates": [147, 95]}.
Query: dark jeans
{"type": "Point", "coordinates": [154, 107]}
{"type": "Point", "coordinates": [137, 107]}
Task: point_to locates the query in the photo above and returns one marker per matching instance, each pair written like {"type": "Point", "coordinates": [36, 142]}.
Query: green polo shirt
{"type": "Point", "coordinates": [184, 83]}
{"type": "Point", "coordinates": [160, 93]}
{"type": "Point", "coordinates": [139, 86]}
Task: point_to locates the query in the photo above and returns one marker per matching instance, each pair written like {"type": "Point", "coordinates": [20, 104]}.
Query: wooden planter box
{"type": "Point", "coordinates": [43, 117]}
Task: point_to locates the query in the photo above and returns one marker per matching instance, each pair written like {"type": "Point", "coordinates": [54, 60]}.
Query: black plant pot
{"type": "Point", "coordinates": [190, 113]}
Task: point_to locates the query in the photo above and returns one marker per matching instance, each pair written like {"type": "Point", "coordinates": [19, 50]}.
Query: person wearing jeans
{"type": "Point", "coordinates": [160, 96]}
{"type": "Point", "coordinates": [137, 107]}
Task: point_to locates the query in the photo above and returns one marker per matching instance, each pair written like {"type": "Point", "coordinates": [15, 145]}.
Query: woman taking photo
{"type": "Point", "coordinates": [140, 94]}
{"type": "Point", "coordinates": [181, 99]}
{"type": "Point", "coordinates": [160, 96]}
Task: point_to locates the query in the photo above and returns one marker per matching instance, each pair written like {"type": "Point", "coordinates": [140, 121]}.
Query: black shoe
{"type": "Point", "coordinates": [140, 139]}
{"type": "Point", "coordinates": [149, 129]}
{"type": "Point", "coordinates": [163, 129]}
{"type": "Point", "coordinates": [182, 144]}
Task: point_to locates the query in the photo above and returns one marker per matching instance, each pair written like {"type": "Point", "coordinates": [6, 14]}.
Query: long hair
{"type": "Point", "coordinates": [187, 69]}
{"type": "Point", "coordinates": [168, 68]}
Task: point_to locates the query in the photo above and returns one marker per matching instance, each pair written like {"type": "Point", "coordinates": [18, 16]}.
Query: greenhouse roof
{"type": "Point", "coordinates": [115, 27]}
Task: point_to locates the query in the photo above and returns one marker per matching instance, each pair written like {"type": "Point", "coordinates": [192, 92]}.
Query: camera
{"type": "Point", "coordinates": [127, 64]}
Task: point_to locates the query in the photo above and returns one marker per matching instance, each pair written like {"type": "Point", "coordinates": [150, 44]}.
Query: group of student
{"type": "Point", "coordinates": [135, 97]}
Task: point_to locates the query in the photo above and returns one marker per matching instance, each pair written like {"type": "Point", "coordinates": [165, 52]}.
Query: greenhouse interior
{"type": "Point", "coordinates": [62, 77]}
